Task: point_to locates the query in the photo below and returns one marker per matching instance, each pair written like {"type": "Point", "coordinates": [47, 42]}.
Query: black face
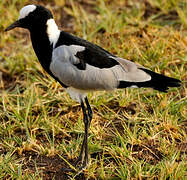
{"type": "Point", "coordinates": [35, 19]}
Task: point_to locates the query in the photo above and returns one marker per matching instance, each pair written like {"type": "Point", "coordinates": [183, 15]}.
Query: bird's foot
{"type": "Point", "coordinates": [81, 165]}
{"type": "Point", "coordinates": [79, 161]}
{"type": "Point", "coordinates": [68, 170]}
{"type": "Point", "coordinates": [78, 167]}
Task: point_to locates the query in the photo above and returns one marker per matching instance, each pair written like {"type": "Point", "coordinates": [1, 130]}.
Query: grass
{"type": "Point", "coordinates": [135, 133]}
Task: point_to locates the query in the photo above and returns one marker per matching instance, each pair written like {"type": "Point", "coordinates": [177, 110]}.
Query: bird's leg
{"type": "Point", "coordinates": [80, 158]}
{"type": "Point", "coordinates": [84, 146]}
{"type": "Point", "coordinates": [87, 120]}
{"type": "Point", "coordinates": [86, 126]}
{"type": "Point", "coordinates": [83, 160]}
{"type": "Point", "coordinates": [89, 109]}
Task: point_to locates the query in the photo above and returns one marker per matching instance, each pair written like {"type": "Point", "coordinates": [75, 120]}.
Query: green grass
{"type": "Point", "coordinates": [135, 133]}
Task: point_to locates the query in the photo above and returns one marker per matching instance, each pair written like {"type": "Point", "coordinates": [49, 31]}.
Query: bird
{"type": "Point", "coordinates": [81, 66]}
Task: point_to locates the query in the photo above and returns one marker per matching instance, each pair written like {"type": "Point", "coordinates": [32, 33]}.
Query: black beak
{"type": "Point", "coordinates": [14, 25]}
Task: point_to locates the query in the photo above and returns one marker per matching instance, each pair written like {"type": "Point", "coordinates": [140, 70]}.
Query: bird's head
{"type": "Point", "coordinates": [31, 16]}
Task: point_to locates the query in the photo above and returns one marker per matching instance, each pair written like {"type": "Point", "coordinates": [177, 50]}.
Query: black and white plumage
{"type": "Point", "coordinates": [80, 66]}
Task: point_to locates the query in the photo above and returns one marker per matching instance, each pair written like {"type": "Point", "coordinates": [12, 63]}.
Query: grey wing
{"type": "Point", "coordinates": [133, 72]}
{"type": "Point", "coordinates": [64, 67]}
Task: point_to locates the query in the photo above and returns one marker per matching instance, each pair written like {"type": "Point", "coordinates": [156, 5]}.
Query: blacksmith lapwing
{"type": "Point", "coordinates": [80, 66]}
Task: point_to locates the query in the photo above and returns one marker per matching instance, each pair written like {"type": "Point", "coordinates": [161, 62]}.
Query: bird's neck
{"type": "Point", "coordinates": [52, 31]}
{"type": "Point", "coordinates": [43, 40]}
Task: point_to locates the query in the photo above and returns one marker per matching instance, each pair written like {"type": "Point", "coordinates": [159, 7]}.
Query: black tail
{"type": "Point", "coordinates": [158, 82]}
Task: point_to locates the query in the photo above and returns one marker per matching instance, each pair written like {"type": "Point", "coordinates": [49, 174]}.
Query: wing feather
{"type": "Point", "coordinates": [78, 73]}
{"type": "Point", "coordinates": [64, 67]}
{"type": "Point", "coordinates": [132, 71]}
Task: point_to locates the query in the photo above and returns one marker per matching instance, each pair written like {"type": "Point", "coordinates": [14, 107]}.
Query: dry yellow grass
{"type": "Point", "coordinates": [135, 133]}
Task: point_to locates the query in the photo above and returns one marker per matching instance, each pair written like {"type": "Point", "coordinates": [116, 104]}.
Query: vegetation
{"type": "Point", "coordinates": [135, 133]}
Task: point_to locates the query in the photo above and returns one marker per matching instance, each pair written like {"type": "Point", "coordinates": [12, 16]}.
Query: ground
{"type": "Point", "coordinates": [135, 133]}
